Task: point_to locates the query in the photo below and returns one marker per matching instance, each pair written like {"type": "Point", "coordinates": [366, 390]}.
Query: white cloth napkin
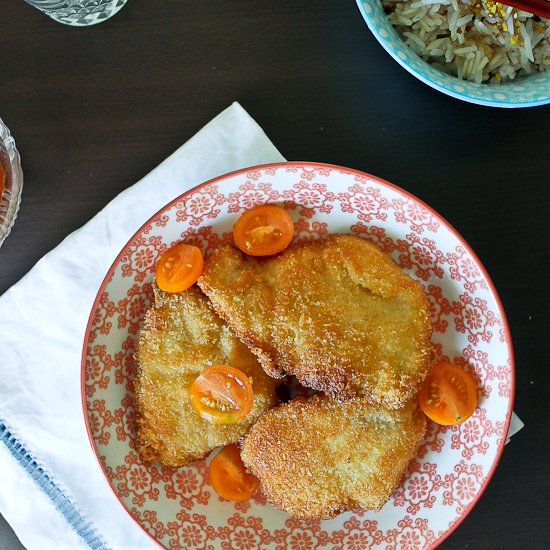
{"type": "Point", "coordinates": [51, 486]}
{"type": "Point", "coordinates": [42, 323]}
{"type": "Point", "coordinates": [516, 425]}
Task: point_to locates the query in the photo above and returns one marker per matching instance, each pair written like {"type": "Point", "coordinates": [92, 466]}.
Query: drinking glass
{"type": "Point", "coordinates": [78, 13]}
{"type": "Point", "coordinates": [10, 192]}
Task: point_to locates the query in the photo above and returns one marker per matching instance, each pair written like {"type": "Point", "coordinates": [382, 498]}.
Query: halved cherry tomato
{"type": "Point", "coordinates": [448, 395]}
{"type": "Point", "coordinates": [179, 268]}
{"type": "Point", "coordinates": [263, 230]}
{"type": "Point", "coordinates": [222, 395]}
{"type": "Point", "coordinates": [229, 477]}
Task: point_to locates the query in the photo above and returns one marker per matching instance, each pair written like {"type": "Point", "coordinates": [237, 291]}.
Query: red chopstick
{"type": "Point", "coordinates": [536, 7]}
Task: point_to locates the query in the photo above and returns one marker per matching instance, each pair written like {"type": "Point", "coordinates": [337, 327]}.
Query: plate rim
{"type": "Point", "coordinates": [384, 183]}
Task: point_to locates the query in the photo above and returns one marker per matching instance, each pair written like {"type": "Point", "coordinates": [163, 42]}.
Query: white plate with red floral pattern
{"type": "Point", "coordinates": [177, 507]}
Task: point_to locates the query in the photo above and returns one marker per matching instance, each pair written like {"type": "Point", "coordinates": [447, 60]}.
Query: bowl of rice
{"type": "Point", "coordinates": [479, 51]}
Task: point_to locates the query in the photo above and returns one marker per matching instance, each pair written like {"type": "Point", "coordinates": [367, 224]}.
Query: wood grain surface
{"type": "Point", "coordinates": [94, 109]}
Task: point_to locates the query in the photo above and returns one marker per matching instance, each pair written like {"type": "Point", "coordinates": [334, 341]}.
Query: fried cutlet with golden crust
{"type": "Point", "coordinates": [337, 313]}
{"type": "Point", "coordinates": [316, 457]}
{"type": "Point", "coordinates": [181, 335]}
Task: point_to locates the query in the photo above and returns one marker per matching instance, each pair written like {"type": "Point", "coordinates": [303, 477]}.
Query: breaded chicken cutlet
{"type": "Point", "coordinates": [337, 313]}
{"type": "Point", "coordinates": [181, 335]}
{"type": "Point", "coordinates": [316, 457]}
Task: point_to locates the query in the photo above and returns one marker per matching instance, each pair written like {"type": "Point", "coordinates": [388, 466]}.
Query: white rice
{"type": "Point", "coordinates": [480, 41]}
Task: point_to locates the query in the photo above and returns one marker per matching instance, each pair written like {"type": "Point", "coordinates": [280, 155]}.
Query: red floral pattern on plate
{"type": "Point", "coordinates": [177, 506]}
{"type": "Point", "coordinates": [102, 315]}
{"type": "Point", "coordinates": [375, 234]}
{"type": "Point", "coordinates": [133, 306]}
{"type": "Point", "coordinates": [439, 308]}
{"type": "Point", "coordinates": [140, 258]}
{"type": "Point", "coordinates": [245, 505]}
{"type": "Point", "coordinates": [309, 197]}
{"type": "Point", "coordinates": [150, 519]}
{"type": "Point", "coordinates": [251, 194]}
{"type": "Point", "coordinates": [462, 267]}
{"type": "Point", "coordinates": [100, 420]}
{"type": "Point", "coordinates": [473, 434]}
{"type": "Point", "coordinates": [244, 534]}
{"type": "Point", "coordinates": [305, 230]}
{"type": "Point", "coordinates": [462, 485]}
{"type": "Point", "coordinates": [410, 535]}
{"type": "Point", "coordinates": [300, 535]}
{"type": "Point", "coordinates": [418, 487]}
{"type": "Point", "coordinates": [188, 531]}
{"type": "Point", "coordinates": [200, 205]}
{"type": "Point", "coordinates": [505, 382]}
{"type": "Point", "coordinates": [474, 317]}
{"type": "Point", "coordinates": [205, 239]}
{"type": "Point", "coordinates": [124, 363]}
{"type": "Point", "coordinates": [97, 370]}
{"type": "Point", "coordinates": [187, 485]}
{"type": "Point", "coordinates": [366, 203]}
{"type": "Point", "coordinates": [433, 439]}
{"type": "Point", "coordinates": [124, 420]}
{"type": "Point", "coordinates": [414, 214]}
{"type": "Point", "coordinates": [420, 256]}
{"type": "Point", "coordinates": [358, 535]}
{"type": "Point", "coordinates": [133, 479]}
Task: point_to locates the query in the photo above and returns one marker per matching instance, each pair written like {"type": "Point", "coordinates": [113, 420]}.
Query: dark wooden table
{"type": "Point", "coordinates": [94, 109]}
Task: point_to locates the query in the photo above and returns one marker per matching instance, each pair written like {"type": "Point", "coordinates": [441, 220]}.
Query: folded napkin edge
{"type": "Point", "coordinates": [52, 488]}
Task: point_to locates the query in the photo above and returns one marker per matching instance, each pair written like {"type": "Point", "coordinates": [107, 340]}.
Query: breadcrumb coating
{"type": "Point", "coordinates": [316, 457]}
{"type": "Point", "coordinates": [181, 335]}
{"type": "Point", "coordinates": [337, 313]}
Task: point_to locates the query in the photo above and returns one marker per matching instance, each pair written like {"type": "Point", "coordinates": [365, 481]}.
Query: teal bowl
{"type": "Point", "coordinates": [527, 91]}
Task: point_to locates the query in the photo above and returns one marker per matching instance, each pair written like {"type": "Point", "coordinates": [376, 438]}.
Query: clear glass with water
{"type": "Point", "coordinates": [79, 13]}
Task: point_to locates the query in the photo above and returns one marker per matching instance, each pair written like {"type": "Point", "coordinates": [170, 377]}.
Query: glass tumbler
{"type": "Point", "coordinates": [78, 13]}
{"type": "Point", "coordinates": [10, 192]}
